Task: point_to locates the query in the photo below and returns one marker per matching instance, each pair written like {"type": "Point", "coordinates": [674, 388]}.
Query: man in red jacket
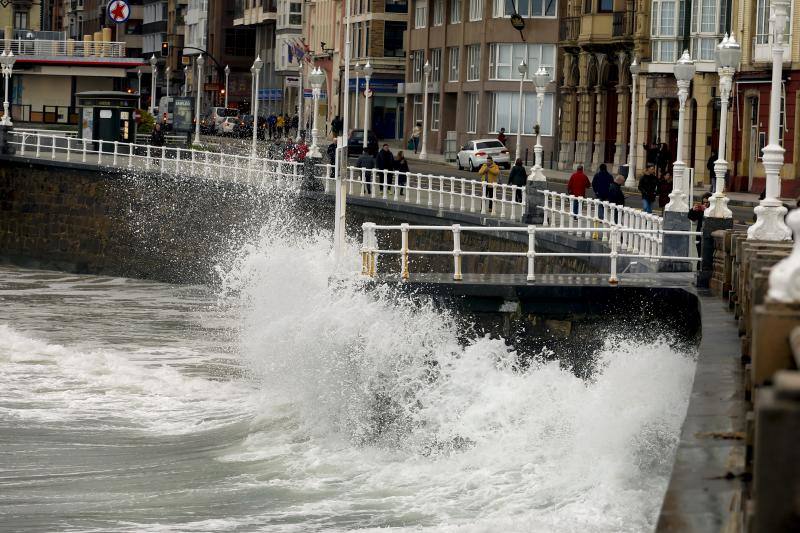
{"type": "Point", "coordinates": [577, 185]}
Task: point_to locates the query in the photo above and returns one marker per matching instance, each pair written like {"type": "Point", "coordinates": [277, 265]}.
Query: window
{"type": "Point", "coordinates": [666, 29]}
{"type": "Point", "coordinates": [526, 8]}
{"type": "Point", "coordinates": [605, 6]}
{"type": "Point", "coordinates": [472, 112]}
{"type": "Point", "coordinates": [417, 108]}
{"type": "Point", "coordinates": [453, 70]}
{"type": "Point", "coordinates": [421, 15]}
{"type": "Point", "coordinates": [20, 20]}
{"type": "Point", "coordinates": [762, 22]}
{"type": "Point", "coordinates": [295, 16]}
{"type": "Point", "coordinates": [240, 41]}
{"type": "Point", "coordinates": [396, 6]}
{"type": "Point", "coordinates": [416, 61]}
{"type": "Point", "coordinates": [504, 59]}
{"type": "Point", "coordinates": [455, 11]}
{"type": "Point", "coordinates": [438, 12]}
{"type": "Point", "coordinates": [504, 109]}
{"type": "Point", "coordinates": [475, 10]}
{"type": "Point", "coordinates": [436, 65]}
{"type": "Point", "coordinates": [474, 62]}
{"type": "Point", "coordinates": [393, 39]}
{"type": "Point", "coordinates": [435, 112]}
{"type": "Point", "coordinates": [708, 25]}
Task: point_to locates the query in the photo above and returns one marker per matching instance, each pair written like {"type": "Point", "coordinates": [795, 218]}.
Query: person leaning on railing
{"type": "Point", "coordinates": [518, 177]}
{"type": "Point", "coordinates": [401, 166]}
{"type": "Point", "coordinates": [489, 173]}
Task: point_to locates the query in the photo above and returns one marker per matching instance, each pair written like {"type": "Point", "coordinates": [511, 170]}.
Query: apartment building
{"type": "Point", "coordinates": [262, 17]}
{"type": "Point", "coordinates": [474, 54]}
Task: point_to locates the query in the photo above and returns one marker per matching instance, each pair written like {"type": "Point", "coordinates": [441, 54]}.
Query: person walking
{"type": "Point", "coordinates": [518, 177]}
{"type": "Point", "coordinates": [648, 186]}
{"type": "Point", "coordinates": [577, 185]}
{"type": "Point", "coordinates": [697, 214]}
{"type": "Point", "coordinates": [415, 134]}
{"type": "Point", "coordinates": [664, 189]}
{"type": "Point", "coordinates": [401, 166]}
{"type": "Point", "coordinates": [663, 158]}
{"type": "Point", "coordinates": [385, 163]}
{"type": "Point", "coordinates": [295, 124]}
{"type": "Point", "coordinates": [710, 167]}
{"type": "Point", "coordinates": [601, 181]}
{"type": "Point", "coordinates": [616, 195]}
{"type": "Point", "coordinates": [489, 174]}
{"type": "Point", "coordinates": [367, 161]}
{"type": "Point", "coordinates": [271, 121]}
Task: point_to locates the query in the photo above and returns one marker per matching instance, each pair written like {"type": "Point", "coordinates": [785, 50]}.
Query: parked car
{"type": "Point", "coordinates": [355, 143]}
{"type": "Point", "coordinates": [218, 114]}
{"type": "Point", "coordinates": [244, 127]}
{"type": "Point", "coordinates": [228, 125]}
{"type": "Point", "coordinates": [474, 153]}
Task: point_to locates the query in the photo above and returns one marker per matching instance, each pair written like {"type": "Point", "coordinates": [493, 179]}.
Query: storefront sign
{"type": "Point", "coordinates": [662, 87]}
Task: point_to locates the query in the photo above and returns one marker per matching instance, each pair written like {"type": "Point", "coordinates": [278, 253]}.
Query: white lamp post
{"type": "Point", "coordinates": [340, 208]}
{"type": "Point", "coordinates": [7, 64]}
{"type": "Point", "coordinates": [357, 68]}
{"type": "Point", "coordinates": [728, 55]}
{"type": "Point", "coordinates": [299, 103]}
{"type": "Point", "coordinates": [540, 80]}
{"type": "Point", "coordinates": [770, 212]}
{"type": "Point", "coordinates": [317, 78]}
{"type": "Point", "coordinates": [523, 70]}
{"type": "Point", "coordinates": [630, 181]}
{"type": "Point", "coordinates": [199, 86]}
{"type": "Point", "coordinates": [367, 76]}
{"type": "Point", "coordinates": [139, 88]}
{"type": "Point", "coordinates": [256, 71]}
{"type": "Point", "coordinates": [426, 69]}
{"type": "Point", "coordinates": [154, 69]}
{"type": "Point", "coordinates": [227, 76]}
{"type": "Point", "coordinates": [684, 72]}
{"type": "Point", "coordinates": [185, 81]}
{"type": "Point", "coordinates": [166, 79]}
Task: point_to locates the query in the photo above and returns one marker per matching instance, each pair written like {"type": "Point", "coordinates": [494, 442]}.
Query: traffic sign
{"type": "Point", "coordinates": [118, 11]}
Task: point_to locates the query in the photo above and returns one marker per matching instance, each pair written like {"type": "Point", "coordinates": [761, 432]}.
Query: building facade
{"type": "Point", "coordinates": [474, 54]}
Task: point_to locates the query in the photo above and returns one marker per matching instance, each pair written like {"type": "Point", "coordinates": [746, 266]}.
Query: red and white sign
{"type": "Point", "coordinates": [119, 11]}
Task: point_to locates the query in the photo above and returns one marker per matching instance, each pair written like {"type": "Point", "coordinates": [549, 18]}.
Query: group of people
{"type": "Point", "coordinates": [383, 160]}
{"type": "Point", "coordinates": [282, 125]}
{"type": "Point", "coordinates": [655, 186]}
{"type": "Point", "coordinates": [606, 187]}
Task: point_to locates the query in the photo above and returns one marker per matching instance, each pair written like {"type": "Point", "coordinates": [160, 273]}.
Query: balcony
{"type": "Point", "coordinates": [622, 25]}
{"type": "Point", "coordinates": [27, 48]}
{"type": "Point", "coordinates": [762, 53]}
{"type": "Point", "coordinates": [569, 29]}
{"type": "Point", "coordinates": [596, 28]}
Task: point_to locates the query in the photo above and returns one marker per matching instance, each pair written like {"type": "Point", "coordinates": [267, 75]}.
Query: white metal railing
{"type": "Point", "coordinates": [54, 133]}
{"type": "Point", "coordinates": [434, 191]}
{"type": "Point", "coordinates": [68, 48]}
{"type": "Point", "coordinates": [584, 216]}
{"type": "Point", "coordinates": [370, 250]}
{"type": "Point", "coordinates": [132, 156]}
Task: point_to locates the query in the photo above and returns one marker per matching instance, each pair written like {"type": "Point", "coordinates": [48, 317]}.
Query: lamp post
{"type": "Point", "coordinates": [684, 72]}
{"type": "Point", "coordinates": [256, 71]}
{"type": "Point", "coordinates": [227, 76]}
{"type": "Point", "coordinates": [185, 81]}
{"type": "Point", "coordinates": [7, 64]}
{"type": "Point", "coordinates": [630, 181]}
{"type": "Point", "coordinates": [317, 78]}
{"type": "Point", "coordinates": [367, 76]}
{"type": "Point", "coordinates": [199, 86]}
{"type": "Point", "coordinates": [154, 69]}
{"type": "Point", "coordinates": [340, 207]}
{"type": "Point", "coordinates": [540, 79]}
{"type": "Point", "coordinates": [728, 55]}
{"type": "Point", "coordinates": [166, 79]}
{"type": "Point", "coordinates": [357, 68]}
{"type": "Point", "coordinates": [426, 69]}
{"type": "Point", "coordinates": [139, 88]}
{"type": "Point", "coordinates": [523, 70]}
{"type": "Point", "coordinates": [299, 102]}
{"type": "Point", "coordinates": [770, 225]}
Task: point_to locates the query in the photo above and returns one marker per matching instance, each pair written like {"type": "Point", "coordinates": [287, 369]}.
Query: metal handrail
{"type": "Point", "coordinates": [68, 48]}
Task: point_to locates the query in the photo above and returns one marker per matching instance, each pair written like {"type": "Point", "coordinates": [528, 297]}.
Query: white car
{"type": "Point", "coordinates": [474, 153]}
{"type": "Point", "coordinates": [228, 124]}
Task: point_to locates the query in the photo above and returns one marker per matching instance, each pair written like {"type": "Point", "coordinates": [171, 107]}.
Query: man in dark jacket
{"type": "Point", "coordinates": [648, 186]}
{"type": "Point", "coordinates": [615, 195]}
{"type": "Point", "coordinates": [663, 158]}
{"type": "Point", "coordinates": [367, 161]}
{"type": "Point", "coordinates": [518, 177]}
{"type": "Point", "coordinates": [385, 161]}
{"type": "Point", "coordinates": [601, 181]}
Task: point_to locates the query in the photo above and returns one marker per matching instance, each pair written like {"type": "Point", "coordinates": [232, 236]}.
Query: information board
{"type": "Point", "coordinates": [182, 116]}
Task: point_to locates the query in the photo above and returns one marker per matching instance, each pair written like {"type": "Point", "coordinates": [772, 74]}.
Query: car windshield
{"type": "Point", "coordinates": [230, 112]}
{"type": "Point", "coordinates": [489, 144]}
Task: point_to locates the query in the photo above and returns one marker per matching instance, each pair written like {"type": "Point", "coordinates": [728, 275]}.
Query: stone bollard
{"type": "Point", "coordinates": [534, 212]}
{"type": "Point", "coordinates": [710, 225]}
{"type": "Point", "coordinates": [6, 148]}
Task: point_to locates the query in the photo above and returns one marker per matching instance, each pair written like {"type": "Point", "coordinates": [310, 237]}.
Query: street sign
{"type": "Point", "coordinates": [137, 116]}
{"type": "Point", "coordinates": [118, 11]}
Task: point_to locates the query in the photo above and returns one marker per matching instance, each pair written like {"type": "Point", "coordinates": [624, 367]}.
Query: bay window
{"type": "Point", "coordinates": [504, 58]}
{"type": "Point", "coordinates": [666, 29]}
{"type": "Point", "coordinates": [762, 50]}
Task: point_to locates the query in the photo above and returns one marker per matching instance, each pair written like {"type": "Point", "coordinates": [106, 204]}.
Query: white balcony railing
{"type": "Point", "coordinates": [46, 48]}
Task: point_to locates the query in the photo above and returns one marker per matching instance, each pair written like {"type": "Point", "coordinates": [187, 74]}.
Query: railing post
{"type": "Point", "coordinates": [365, 249]}
{"type": "Point", "coordinates": [441, 192]}
{"type": "Point", "coordinates": [483, 198]}
{"type": "Point", "coordinates": [612, 279]}
{"type": "Point", "coordinates": [385, 184]}
{"type": "Point", "coordinates": [452, 193]}
{"type": "Point", "coordinates": [472, 198]}
{"type": "Point", "coordinates": [562, 224]}
{"type": "Point", "coordinates": [457, 276]}
{"type": "Point", "coordinates": [503, 191]}
{"type": "Point", "coordinates": [494, 199]}
{"type": "Point", "coordinates": [430, 190]}
{"type": "Point", "coordinates": [545, 209]}
{"type": "Point", "coordinates": [68, 147]}
{"type": "Point", "coordinates": [531, 252]}
{"type": "Point", "coordinates": [163, 159]}
{"type": "Point", "coordinates": [114, 158]}
{"type": "Point", "coordinates": [38, 144]}
{"type": "Point", "coordinates": [130, 155]}
{"type": "Point", "coordinates": [147, 158]}
{"type": "Point", "coordinates": [571, 218]}
{"type": "Point", "coordinates": [404, 250]}
{"type": "Point", "coordinates": [53, 147]}
{"type": "Point", "coordinates": [589, 218]}
{"type": "Point", "coordinates": [100, 152]}
{"type": "Point", "coordinates": [461, 194]}
{"type": "Point", "coordinates": [396, 188]}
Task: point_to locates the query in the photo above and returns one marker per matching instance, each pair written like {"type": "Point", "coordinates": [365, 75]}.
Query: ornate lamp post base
{"type": "Point", "coordinates": [770, 212]}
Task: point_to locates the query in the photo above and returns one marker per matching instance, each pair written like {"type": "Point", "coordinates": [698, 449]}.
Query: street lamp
{"type": "Point", "coordinates": [256, 71]}
{"type": "Point", "coordinates": [358, 69]}
{"type": "Point", "coordinates": [630, 181]}
{"type": "Point", "coordinates": [523, 70]}
{"type": "Point", "coordinates": [367, 76]}
{"type": "Point", "coordinates": [139, 99]}
{"type": "Point", "coordinates": [166, 78]}
{"type": "Point", "coordinates": [684, 72]}
{"type": "Point", "coordinates": [423, 153]}
{"type": "Point", "coordinates": [316, 78]}
{"type": "Point", "coordinates": [154, 69]}
{"type": "Point", "coordinates": [185, 80]}
{"type": "Point", "coordinates": [199, 86]}
{"type": "Point", "coordinates": [728, 55]}
{"type": "Point", "coordinates": [227, 76]}
{"type": "Point", "coordinates": [299, 102]}
{"type": "Point", "coordinates": [540, 79]}
{"type": "Point", "coordinates": [7, 64]}
{"type": "Point", "coordinates": [770, 225]}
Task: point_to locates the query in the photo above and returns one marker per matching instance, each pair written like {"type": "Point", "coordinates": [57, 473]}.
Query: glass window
{"type": "Point", "coordinates": [436, 64]}
{"type": "Point", "coordinates": [396, 6]}
{"type": "Point", "coordinates": [20, 20]}
{"type": "Point", "coordinates": [474, 62]}
{"type": "Point", "coordinates": [526, 8]}
{"type": "Point", "coordinates": [605, 6]}
{"type": "Point", "coordinates": [454, 56]}
{"type": "Point", "coordinates": [504, 59]}
{"type": "Point", "coordinates": [417, 108]}
{"type": "Point", "coordinates": [435, 112]}
{"type": "Point", "coordinates": [475, 10]}
{"type": "Point", "coordinates": [416, 62]}
{"type": "Point", "coordinates": [438, 12]}
{"type": "Point", "coordinates": [393, 39]}
{"type": "Point", "coordinates": [455, 11]}
{"type": "Point", "coordinates": [505, 107]}
{"type": "Point", "coordinates": [472, 112]}
{"type": "Point", "coordinates": [421, 15]}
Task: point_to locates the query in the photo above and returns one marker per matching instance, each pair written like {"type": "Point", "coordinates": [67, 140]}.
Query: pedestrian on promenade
{"type": "Point", "coordinates": [502, 136]}
{"type": "Point", "coordinates": [664, 189]}
{"type": "Point", "coordinates": [415, 133]}
{"type": "Point", "coordinates": [601, 181]}
{"type": "Point", "coordinates": [577, 185]}
{"type": "Point", "coordinates": [367, 161]}
{"type": "Point", "coordinates": [489, 174]}
{"type": "Point", "coordinates": [385, 163]}
{"type": "Point", "coordinates": [280, 122]}
{"type": "Point", "coordinates": [648, 186]}
{"type": "Point", "coordinates": [271, 121]}
{"type": "Point", "coordinates": [401, 166]}
{"type": "Point", "coordinates": [295, 124]}
{"type": "Point", "coordinates": [336, 125]}
{"type": "Point", "coordinates": [663, 158]}
{"type": "Point", "coordinates": [616, 196]}
{"type": "Point", "coordinates": [518, 177]}
{"type": "Point", "coordinates": [710, 166]}
{"type": "Point", "coordinates": [697, 214]}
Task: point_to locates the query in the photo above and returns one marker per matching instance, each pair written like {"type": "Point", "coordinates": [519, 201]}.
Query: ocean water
{"type": "Point", "coordinates": [284, 401]}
